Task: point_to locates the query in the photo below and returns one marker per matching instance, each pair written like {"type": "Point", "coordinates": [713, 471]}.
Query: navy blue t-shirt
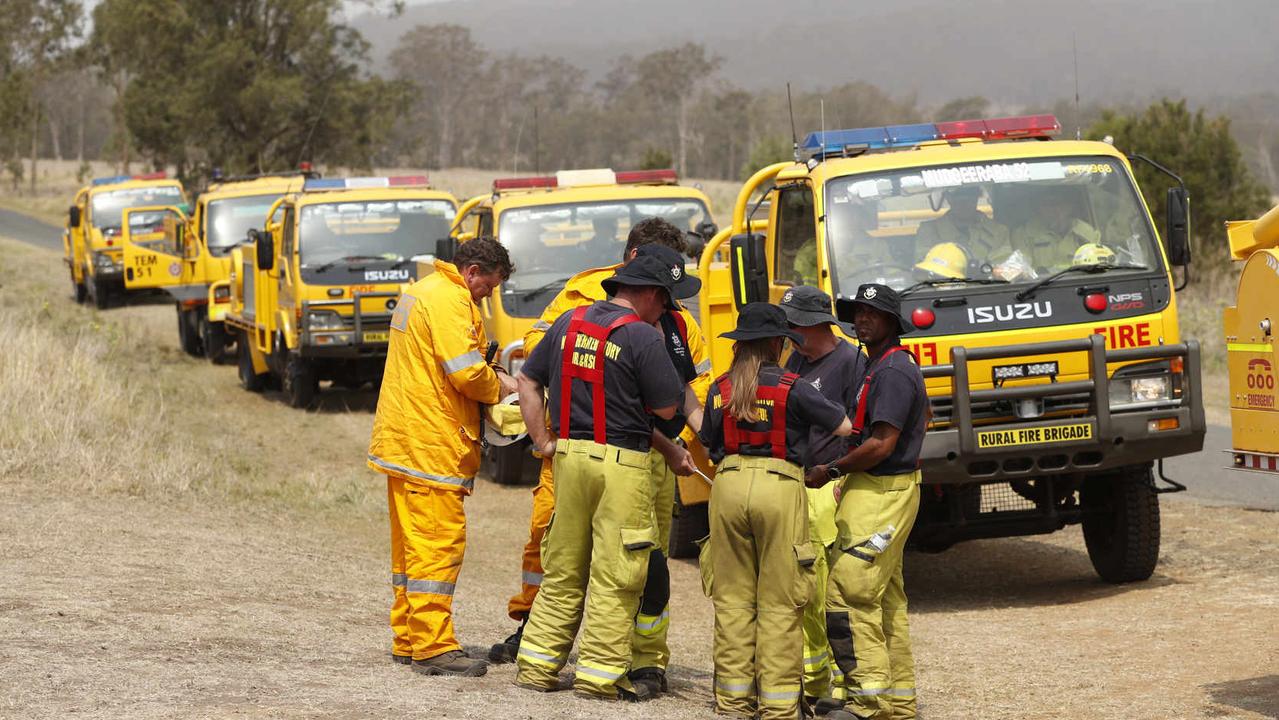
{"type": "Point", "coordinates": [838, 375]}
{"type": "Point", "coordinates": [638, 374]}
{"type": "Point", "coordinates": [897, 397]}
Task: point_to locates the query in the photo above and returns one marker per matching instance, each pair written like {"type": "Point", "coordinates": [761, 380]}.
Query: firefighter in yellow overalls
{"type": "Point", "coordinates": [426, 440]}
{"type": "Point", "coordinates": [756, 426]}
{"type": "Point", "coordinates": [688, 351]}
{"type": "Point", "coordinates": [611, 382]}
{"type": "Point", "coordinates": [866, 598]}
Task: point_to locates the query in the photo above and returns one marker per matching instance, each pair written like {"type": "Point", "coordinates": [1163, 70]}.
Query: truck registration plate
{"type": "Point", "coordinates": [377, 336]}
{"type": "Point", "coordinates": [1034, 435]}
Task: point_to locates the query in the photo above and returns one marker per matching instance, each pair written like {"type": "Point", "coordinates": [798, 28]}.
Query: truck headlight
{"type": "Point", "coordinates": [104, 262]}
{"type": "Point", "coordinates": [1147, 387]}
{"type": "Point", "coordinates": [324, 320]}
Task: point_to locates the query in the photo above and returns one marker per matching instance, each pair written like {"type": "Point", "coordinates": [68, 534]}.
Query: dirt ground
{"type": "Point", "coordinates": [254, 583]}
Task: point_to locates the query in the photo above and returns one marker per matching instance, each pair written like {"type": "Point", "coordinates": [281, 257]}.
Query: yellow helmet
{"type": "Point", "coordinates": [1094, 254]}
{"type": "Point", "coordinates": [945, 260]}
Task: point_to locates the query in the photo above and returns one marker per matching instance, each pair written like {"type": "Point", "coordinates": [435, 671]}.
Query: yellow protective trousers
{"type": "Point", "coordinates": [649, 648]}
{"type": "Point", "coordinates": [763, 565]}
{"type": "Point", "coordinates": [866, 598]}
{"type": "Point", "coordinates": [531, 566]}
{"type": "Point", "coordinates": [818, 664]}
{"type": "Point", "coordinates": [428, 540]}
{"type": "Point", "coordinates": [599, 539]}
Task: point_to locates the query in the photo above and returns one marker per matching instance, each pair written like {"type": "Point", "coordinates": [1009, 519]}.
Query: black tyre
{"type": "Point", "coordinates": [99, 293]}
{"type": "Point", "coordinates": [249, 380]}
{"type": "Point", "coordinates": [1121, 524]}
{"type": "Point", "coordinates": [78, 290]}
{"type": "Point", "coordinates": [509, 463]}
{"type": "Point", "coordinates": [188, 333]}
{"type": "Point", "coordinates": [690, 524]}
{"type": "Point", "coordinates": [300, 384]}
{"type": "Point", "coordinates": [213, 339]}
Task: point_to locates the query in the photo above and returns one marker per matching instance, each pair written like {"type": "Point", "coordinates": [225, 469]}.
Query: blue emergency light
{"type": "Point", "coordinates": [111, 180]}
{"type": "Point", "coordinates": [355, 183]}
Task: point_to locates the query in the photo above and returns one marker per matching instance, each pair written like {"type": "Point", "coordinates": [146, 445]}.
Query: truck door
{"type": "Point", "coordinates": [793, 253]}
{"type": "Point", "coordinates": [154, 245]}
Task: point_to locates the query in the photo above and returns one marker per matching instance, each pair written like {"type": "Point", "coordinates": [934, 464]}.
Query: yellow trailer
{"type": "Point", "coordinates": [1250, 345]}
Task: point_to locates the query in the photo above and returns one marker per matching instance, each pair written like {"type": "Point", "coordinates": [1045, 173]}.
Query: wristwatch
{"type": "Point", "coordinates": [833, 472]}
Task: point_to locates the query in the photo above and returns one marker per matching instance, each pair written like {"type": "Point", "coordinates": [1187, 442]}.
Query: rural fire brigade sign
{"type": "Point", "coordinates": [1034, 435]}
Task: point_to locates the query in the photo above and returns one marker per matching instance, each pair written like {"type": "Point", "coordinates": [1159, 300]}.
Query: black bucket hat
{"type": "Point", "coordinates": [686, 285]}
{"type": "Point", "coordinates": [882, 297]}
{"type": "Point", "coordinates": [760, 320]}
{"type": "Point", "coordinates": [645, 271]}
{"type": "Point", "coordinates": [807, 306]}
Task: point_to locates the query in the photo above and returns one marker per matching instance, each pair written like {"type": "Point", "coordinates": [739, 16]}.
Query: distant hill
{"type": "Point", "coordinates": [1011, 51]}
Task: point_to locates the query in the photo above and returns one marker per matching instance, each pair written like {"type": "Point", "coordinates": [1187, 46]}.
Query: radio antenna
{"type": "Point", "coordinates": [1074, 48]}
{"type": "Point", "coordinates": [794, 137]}
{"type": "Point", "coordinates": [821, 103]}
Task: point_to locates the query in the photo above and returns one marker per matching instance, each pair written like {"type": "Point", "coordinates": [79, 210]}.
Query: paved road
{"type": "Point", "coordinates": [30, 230]}
{"type": "Point", "coordinates": [1204, 473]}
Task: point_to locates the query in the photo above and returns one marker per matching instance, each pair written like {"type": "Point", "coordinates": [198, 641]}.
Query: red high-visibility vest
{"type": "Point", "coordinates": [594, 376]}
{"type": "Point", "coordinates": [776, 436]}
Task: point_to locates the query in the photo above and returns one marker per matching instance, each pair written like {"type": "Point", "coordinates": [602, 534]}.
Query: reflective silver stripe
{"type": "Point", "coordinates": [666, 615]}
{"type": "Point", "coordinates": [870, 691]}
{"type": "Point", "coordinates": [779, 694]}
{"type": "Point", "coordinates": [733, 687]}
{"type": "Point", "coordinates": [398, 579]}
{"type": "Point", "coordinates": [816, 658]}
{"type": "Point", "coordinates": [462, 362]}
{"type": "Point", "coordinates": [541, 325]}
{"type": "Point", "coordinates": [597, 672]}
{"type": "Point", "coordinates": [537, 655]}
{"type": "Point", "coordinates": [703, 367]}
{"type": "Point", "coordinates": [901, 692]}
{"type": "Point", "coordinates": [532, 578]}
{"type": "Point", "coordinates": [435, 587]}
{"type": "Point", "coordinates": [467, 483]}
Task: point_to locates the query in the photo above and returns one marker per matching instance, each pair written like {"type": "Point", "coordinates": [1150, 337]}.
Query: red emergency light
{"type": "Point", "coordinates": [922, 318]}
{"type": "Point", "coordinates": [525, 183]}
{"type": "Point", "coordinates": [637, 177]}
{"type": "Point", "coordinates": [161, 175]}
{"type": "Point", "coordinates": [407, 180]}
{"type": "Point", "coordinates": [1021, 126]}
{"type": "Point", "coordinates": [1096, 303]}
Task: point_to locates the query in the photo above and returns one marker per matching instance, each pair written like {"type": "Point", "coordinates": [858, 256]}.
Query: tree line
{"type": "Point", "coordinates": [258, 85]}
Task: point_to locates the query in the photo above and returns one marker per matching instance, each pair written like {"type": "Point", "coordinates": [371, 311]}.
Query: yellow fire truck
{"type": "Point", "coordinates": [1250, 345]}
{"type": "Point", "coordinates": [555, 227]}
{"type": "Point", "coordinates": [1044, 308]}
{"type": "Point", "coordinates": [194, 265]}
{"type": "Point", "coordinates": [92, 243]}
{"type": "Point", "coordinates": [313, 291]}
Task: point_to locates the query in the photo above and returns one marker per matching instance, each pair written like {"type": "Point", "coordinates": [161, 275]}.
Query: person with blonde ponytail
{"type": "Point", "coordinates": [756, 427]}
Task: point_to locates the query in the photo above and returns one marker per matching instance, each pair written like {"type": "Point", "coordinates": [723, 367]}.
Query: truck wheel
{"type": "Point", "coordinates": [509, 462]}
{"type": "Point", "coordinates": [300, 384]}
{"type": "Point", "coordinates": [97, 291]}
{"type": "Point", "coordinates": [78, 290]}
{"type": "Point", "coordinates": [690, 524]}
{"type": "Point", "coordinates": [188, 335]}
{"type": "Point", "coordinates": [249, 380]}
{"type": "Point", "coordinates": [213, 337]}
{"type": "Point", "coordinates": [1121, 524]}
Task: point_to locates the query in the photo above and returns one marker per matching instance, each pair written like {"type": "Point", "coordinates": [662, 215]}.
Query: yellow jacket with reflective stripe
{"type": "Point", "coordinates": [584, 288]}
{"type": "Point", "coordinates": [427, 426]}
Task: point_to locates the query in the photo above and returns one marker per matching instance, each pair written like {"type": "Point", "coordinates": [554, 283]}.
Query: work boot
{"type": "Point", "coordinates": [826, 706]}
{"type": "Point", "coordinates": [641, 693]}
{"type": "Point", "coordinates": [453, 662]}
{"type": "Point", "coordinates": [401, 659]}
{"type": "Point", "coordinates": [654, 679]}
{"type": "Point", "coordinates": [505, 651]}
{"type": "Point", "coordinates": [844, 714]}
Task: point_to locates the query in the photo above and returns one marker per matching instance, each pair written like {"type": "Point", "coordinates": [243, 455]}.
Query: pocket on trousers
{"type": "Point", "coordinates": [637, 543]}
{"type": "Point", "coordinates": [805, 571]}
{"type": "Point", "coordinates": [704, 566]}
{"type": "Point", "coordinates": [867, 548]}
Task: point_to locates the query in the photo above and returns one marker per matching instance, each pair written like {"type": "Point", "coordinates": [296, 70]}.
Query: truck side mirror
{"type": "Point", "coordinates": [73, 216]}
{"type": "Point", "coordinates": [699, 237]}
{"type": "Point", "coordinates": [445, 249]}
{"type": "Point", "coordinates": [748, 266]}
{"type": "Point", "coordinates": [1177, 228]}
{"type": "Point", "coordinates": [265, 248]}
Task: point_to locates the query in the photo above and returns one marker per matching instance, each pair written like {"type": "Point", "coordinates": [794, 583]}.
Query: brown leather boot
{"type": "Point", "coordinates": [453, 662]}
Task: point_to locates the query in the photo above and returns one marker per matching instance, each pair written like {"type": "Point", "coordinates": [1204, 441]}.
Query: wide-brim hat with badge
{"type": "Point", "coordinates": [882, 297]}
{"type": "Point", "coordinates": [760, 320]}
{"type": "Point", "coordinates": [686, 286]}
{"type": "Point", "coordinates": [807, 306]}
{"type": "Point", "coordinates": [646, 271]}
{"type": "Point", "coordinates": [503, 423]}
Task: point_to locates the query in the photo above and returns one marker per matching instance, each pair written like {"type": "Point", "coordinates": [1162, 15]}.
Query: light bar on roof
{"type": "Point", "coordinates": [839, 142]}
{"type": "Point", "coordinates": [592, 176]}
{"type": "Point", "coordinates": [357, 183]}
{"type": "Point", "coordinates": [524, 183]}
{"type": "Point", "coordinates": [161, 175]}
{"type": "Point", "coordinates": [640, 177]}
